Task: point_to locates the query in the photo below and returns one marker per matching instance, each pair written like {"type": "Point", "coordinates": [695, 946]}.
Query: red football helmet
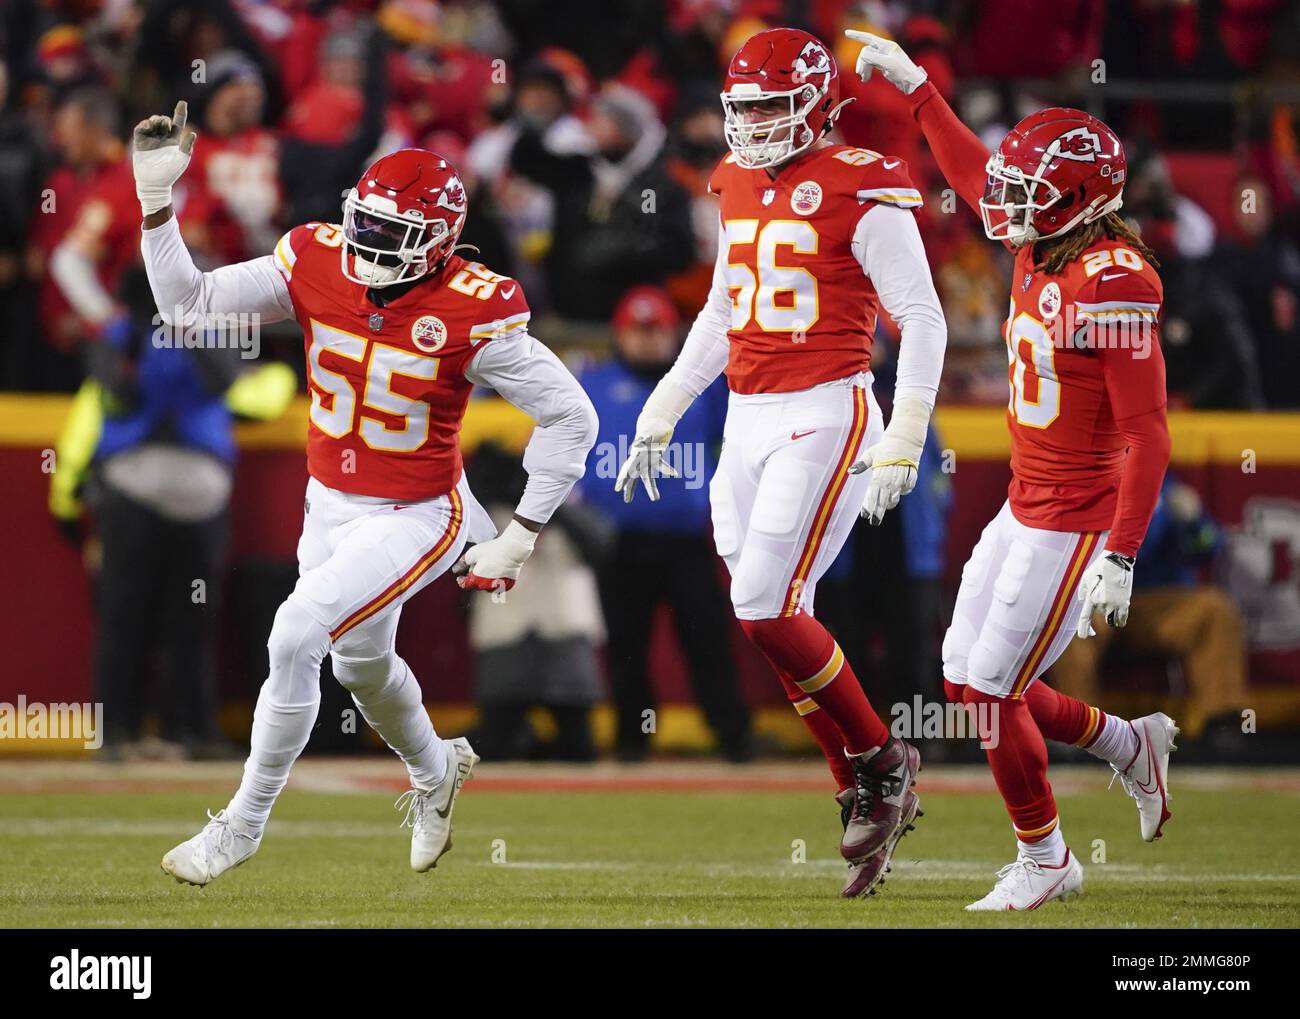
{"type": "Point", "coordinates": [402, 219]}
{"type": "Point", "coordinates": [1056, 169]}
{"type": "Point", "coordinates": [782, 93]}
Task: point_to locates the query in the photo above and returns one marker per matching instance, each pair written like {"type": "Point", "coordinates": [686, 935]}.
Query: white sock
{"type": "Point", "coordinates": [389, 698]}
{"type": "Point", "coordinates": [1048, 852]}
{"type": "Point", "coordinates": [280, 731]}
{"type": "Point", "coordinates": [1116, 744]}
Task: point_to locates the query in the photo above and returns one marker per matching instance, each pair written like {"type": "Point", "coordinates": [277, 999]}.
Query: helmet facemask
{"type": "Point", "coordinates": [769, 142]}
{"type": "Point", "coordinates": [1012, 199]}
{"type": "Point", "coordinates": [385, 247]}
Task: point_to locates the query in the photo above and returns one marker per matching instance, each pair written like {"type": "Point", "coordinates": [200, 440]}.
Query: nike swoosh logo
{"type": "Point", "coordinates": [794, 436]}
{"type": "Point", "coordinates": [507, 294]}
{"type": "Point", "coordinates": [890, 164]}
{"type": "Point", "coordinates": [1047, 894]}
{"type": "Point", "coordinates": [1153, 775]}
{"type": "Point", "coordinates": [462, 770]}
{"type": "Point", "coordinates": [1113, 276]}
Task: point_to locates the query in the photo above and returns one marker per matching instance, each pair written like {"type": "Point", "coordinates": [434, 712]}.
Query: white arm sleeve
{"type": "Point", "coordinates": [75, 274]}
{"type": "Point", "coordinates": [888, 246]}
{"type": "Point", "coordinates": [704, 354]}
{"type": "Point", "coordinates": [253, 287]}
{"type": "Point", "coordinates": [528, 375]}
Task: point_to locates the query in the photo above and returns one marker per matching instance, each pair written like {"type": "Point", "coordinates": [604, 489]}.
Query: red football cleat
{"type": "Point", "coordinates": [883, 783]}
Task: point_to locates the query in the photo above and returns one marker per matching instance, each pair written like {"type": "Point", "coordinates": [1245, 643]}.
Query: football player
{"type": "Point", "coordinates": [815, 239]}
{"type": "Point", "coordinates": [1089, 448]}
{"type": "Point", "coordinates": [398, 328]}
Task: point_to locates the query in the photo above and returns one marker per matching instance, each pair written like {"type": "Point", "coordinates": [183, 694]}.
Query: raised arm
{"type": "Point", "coordinates": [961, 156]}
{"type": "Point", "coordinates": [161, 150]}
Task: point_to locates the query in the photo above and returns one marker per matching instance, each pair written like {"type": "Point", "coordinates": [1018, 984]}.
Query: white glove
{"type": "Point", "coordinates": [494, 565]}
{"type": "Point", "coordinates": [160, 152]}
{"type": "Point", "coordinates": [889, 59]}
{"type": "Point", "coordinates": [1106, 587]}
{"type": "Point", "coordinates": [654, 430]}
{"type": "Point", "coordinates": [893, 460]}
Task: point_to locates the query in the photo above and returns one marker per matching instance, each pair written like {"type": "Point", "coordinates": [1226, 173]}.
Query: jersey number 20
{"type": "Point", "coordinates": [1035, 389]}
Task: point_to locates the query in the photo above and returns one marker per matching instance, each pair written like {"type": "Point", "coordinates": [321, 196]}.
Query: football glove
{"type": "Point", "coordinates": [887, 57]}
{"type": "Point", "coordinates": [160, 151]}
{"type": "Point", "coordinates": [893, 461]}
{"type": "Point", "coordinates": [494, 565]}
{"type": "Point", "coordinates": [1106, 587]}
{"type": "Point", "coordinates": [654, 430]}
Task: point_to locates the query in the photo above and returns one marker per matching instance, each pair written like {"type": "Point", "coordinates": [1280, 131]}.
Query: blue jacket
{"type": "Point", "coordinates": [1174, 550]}
{"type": "Point", "coordinates": [173, 401]}
{"type": "Point", "coordinates": [618, 393]}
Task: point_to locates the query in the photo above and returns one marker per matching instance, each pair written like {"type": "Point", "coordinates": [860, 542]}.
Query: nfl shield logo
{"type": "Point", "coordinates": [376, 322]}
{"type": "Point", "coordinates": [769, 195]}
{"type": "Point", "coordinates": [1029, 278]}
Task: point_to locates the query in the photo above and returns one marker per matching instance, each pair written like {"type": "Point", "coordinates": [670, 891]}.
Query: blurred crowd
{"type": "Point", "coordinates": [585, 132]}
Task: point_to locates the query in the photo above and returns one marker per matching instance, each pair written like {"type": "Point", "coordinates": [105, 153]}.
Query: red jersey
{"type": "Point", "coordinates": [1083, 354]}
{"type": "Point", "coordinates": [96, 205]}
{"type": "Point", "coordinates": [388, 386]}
{"type": "Point", "coordinates": [1089, 440]}
{"type": "Point", "coordinates": [803, 312]}
{"type": "Point", "coordinates": [242, 171]}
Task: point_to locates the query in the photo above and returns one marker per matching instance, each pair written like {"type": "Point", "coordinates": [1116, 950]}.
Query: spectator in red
{"type": "Point", "coordinates": [93, 172]}
{"type": "Point", "coordinates": [236, 159]}
{"type": "Point", "coordinates": [880, 118]}
{"type": "Point", "coordinates": [337, 126]}
{"type": "Point", "coordinates": [442, 84]}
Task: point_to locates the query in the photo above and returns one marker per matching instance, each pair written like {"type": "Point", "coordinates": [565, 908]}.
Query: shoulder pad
{"type": "Point", "coordinates": [295, 242]}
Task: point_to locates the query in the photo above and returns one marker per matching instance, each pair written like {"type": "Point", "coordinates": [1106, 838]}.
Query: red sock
{"type": "Point", "coordinates": [955, 692]}
{"type": "Point", "coordinates": [825, 732]}
{"type": "Point", "coordinates": [801, 647]}
{"type": "Point", "coordinates": [1063, 718]}
{"type": "Point", "coordinates": [1018, 758]}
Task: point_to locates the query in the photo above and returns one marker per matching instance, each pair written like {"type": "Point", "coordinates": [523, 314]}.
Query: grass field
{"type": "Point", "coordinates": [678, 845]}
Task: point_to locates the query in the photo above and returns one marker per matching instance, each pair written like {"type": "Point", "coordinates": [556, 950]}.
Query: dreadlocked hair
{"type": "Point", "coordinates": [1056, 254]}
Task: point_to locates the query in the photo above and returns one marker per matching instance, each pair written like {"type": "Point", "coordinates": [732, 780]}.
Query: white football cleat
{"type": "Point", "coordinates": [429, 813]}
{"type": "Point", "coordinates": [212, 852]}
{"type": "Point", "coordinates": [1146, 778]}
{"type": "Point", "coordinates": [1027, 884]}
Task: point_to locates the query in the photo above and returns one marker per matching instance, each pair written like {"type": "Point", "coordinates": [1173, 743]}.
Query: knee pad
{"type": "Point", "coordinates": [298, 642]}
{"type": "Point", "coordinates": [362, 677]}
{"type": "Point", "coordinates": [758, 587]}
